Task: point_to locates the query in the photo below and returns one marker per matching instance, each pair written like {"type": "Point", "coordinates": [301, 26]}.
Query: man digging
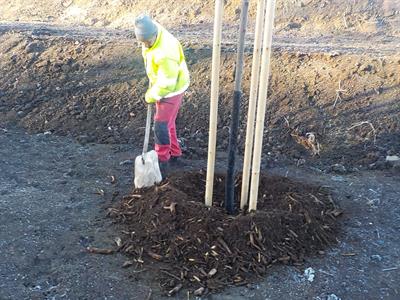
{"type": "Point", "coordinates": [168, 75]}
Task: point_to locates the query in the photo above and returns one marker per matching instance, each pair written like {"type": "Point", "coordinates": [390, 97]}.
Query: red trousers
{"type": "Point", "coordinates": [166, 141]}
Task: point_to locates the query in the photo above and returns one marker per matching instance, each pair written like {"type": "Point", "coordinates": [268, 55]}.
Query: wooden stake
{"type": "Point", "coordinates": [255, 76]}
{"type": "Point", "coordinates": [216, 60]}
{"type": "Point", "coordinates": [262, 101]}
{"type": "Point", "coordinates": [237, 97]}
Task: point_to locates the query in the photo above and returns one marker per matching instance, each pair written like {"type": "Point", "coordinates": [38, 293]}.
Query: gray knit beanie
{"type": "Point", "coordinates": [145, 28]}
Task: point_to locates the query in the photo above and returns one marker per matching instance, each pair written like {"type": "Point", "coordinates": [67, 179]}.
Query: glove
{"type": "Point", "coordinates": [149, 99]}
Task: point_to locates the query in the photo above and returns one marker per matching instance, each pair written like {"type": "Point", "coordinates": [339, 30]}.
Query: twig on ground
{"type": "Point", "coordinates": [99, 250]}
{"type": "Point", "coordinates": [344, 19]}
{"type": "Point", "coordinates": [326, 273]}
{"type": "Point", "coordinates": [349, 254]}
{"type": "Point", "coordinates": [170, 274]}
{"type": "Point", "coordinates": [365, 123]}
{"type": "Point", "coordinates": [171, 207]}
{"type": "Point", "coordinates": [149, 295]}
{"type": "Point", "coordinates": [175, 289]}
{"type": "Point", "coordinates": [390, 269]}
{"type": "Point", "coordinates": [287, 122]}
{"type": "Point", "coordinates": [339, 93]}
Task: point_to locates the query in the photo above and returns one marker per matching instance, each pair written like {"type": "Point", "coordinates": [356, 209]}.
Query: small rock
{"type": "Point", "coordinates": [118, 241]}
{"type": "Point", "coordinates": [309, 274]}
{"type": "Point", "coordinates": [338, 178]}
{"type": "Point", "coordinates": [376, 257]}
{"type": "Point", "coordinates": [35, 47]}
{"type": "Point", "coordinates": [333, 297]}
{"type": "Point", "coordinates": [380, 165]}
{"type": "Point", "coordinates": [379, 90]}
{"type": "Point", "coordinates": [338, 168]}
{"type": "Point", "coordinates": [81, 116]}
{"type": "Point", "coordinates": [69, 173]}
{"type": "Point", "coordinates": [293, 25]}
{"type": "Point", "coordinates": [392, 158]}
{"type": "Point", "coordinates": [237, 12]}
{"type": "Point", "coordinates": [42, 63]}
{"type": "Point", "coordinates": [83, 139]}
{"type": "Point", "coordinates": [65, 68]}
{"type": "Point", "coordinates": [212, 272]}
{"type": "Point", "coordinates": [367, 68]}
{"type": "Point", "coordinates": [333, 54]}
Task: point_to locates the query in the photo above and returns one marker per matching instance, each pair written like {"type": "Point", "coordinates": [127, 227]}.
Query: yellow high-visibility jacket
{"type": "Point", "coordinates": [166, 67]}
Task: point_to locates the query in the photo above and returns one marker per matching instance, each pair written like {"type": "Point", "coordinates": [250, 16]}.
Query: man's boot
{"type": "Point", "coordinates": [164, 168]}
{"type": "Point", "coordinates": [177, 162]}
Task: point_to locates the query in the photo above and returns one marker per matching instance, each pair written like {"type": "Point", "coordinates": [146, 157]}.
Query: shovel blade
{"type": "Point", "coordinates": [147, 170]}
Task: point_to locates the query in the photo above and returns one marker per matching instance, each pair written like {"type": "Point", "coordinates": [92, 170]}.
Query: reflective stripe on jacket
{"type": "Point", "coordinates": [165, 66]}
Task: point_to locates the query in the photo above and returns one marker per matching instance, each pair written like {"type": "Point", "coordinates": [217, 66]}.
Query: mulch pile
{"type": "Point", "coordinates": [204, 249]}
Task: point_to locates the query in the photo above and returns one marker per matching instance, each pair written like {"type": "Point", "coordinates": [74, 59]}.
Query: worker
{"type": "Point", "coordinates": [168, 80]}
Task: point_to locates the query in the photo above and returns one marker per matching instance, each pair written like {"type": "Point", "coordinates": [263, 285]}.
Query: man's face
{"type": "Point", "coordinates": [150, 43]}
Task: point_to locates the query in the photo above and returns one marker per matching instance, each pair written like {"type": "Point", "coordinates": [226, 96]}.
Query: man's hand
{"type": "Point", "coordinates": [149, 99]}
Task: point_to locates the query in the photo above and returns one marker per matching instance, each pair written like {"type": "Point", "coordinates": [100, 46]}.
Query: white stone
{"type": "Point", "coordinates": [392, 158]}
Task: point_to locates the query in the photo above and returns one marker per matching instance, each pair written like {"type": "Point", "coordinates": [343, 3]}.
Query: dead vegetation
{"type": "Point", "coordinates": [309, 142]}
{"type": "Point", "coordinates": [373, 131]}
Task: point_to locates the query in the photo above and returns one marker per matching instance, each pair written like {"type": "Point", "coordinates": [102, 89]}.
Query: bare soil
{"type": "Point", "coordinates": [71, 116]}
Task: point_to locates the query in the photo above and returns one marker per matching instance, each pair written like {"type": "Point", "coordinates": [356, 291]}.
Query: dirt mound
{"type": "Point", "coordinates": [205, 249]}
{"type": "Point", "coordinates": [92, 88]}
{"type": "Point", "coordinates": [295, 16]}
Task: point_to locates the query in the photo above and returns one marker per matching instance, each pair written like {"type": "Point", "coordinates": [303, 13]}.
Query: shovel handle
{"type": "Point", "coordinates": [147, 132]}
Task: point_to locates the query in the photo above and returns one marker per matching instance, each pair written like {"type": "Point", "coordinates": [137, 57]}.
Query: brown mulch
{"type": "Point", "coordinates": [205, 249]}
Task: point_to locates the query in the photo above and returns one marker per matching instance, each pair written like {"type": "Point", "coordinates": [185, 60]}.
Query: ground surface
{"type": "Point", "coordinates": [50, 212]}
{"type": "Point", "coordinates": [78, 91]}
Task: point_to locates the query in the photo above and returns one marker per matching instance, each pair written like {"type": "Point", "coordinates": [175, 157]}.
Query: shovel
{"type": "Point", "coordinates": [147, 170]}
